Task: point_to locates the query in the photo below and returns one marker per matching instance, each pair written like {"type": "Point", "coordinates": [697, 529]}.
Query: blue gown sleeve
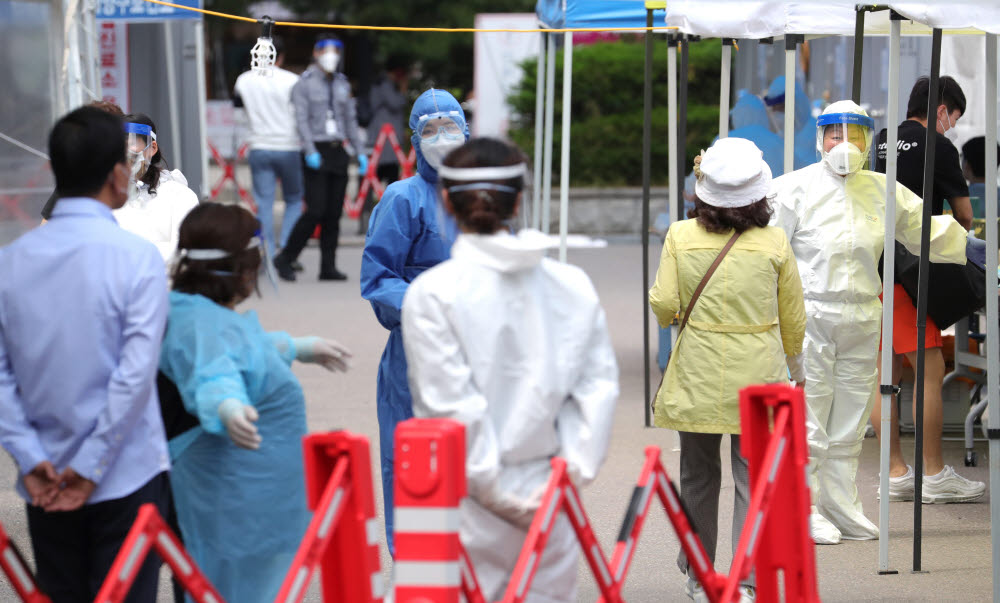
{"type": "Point", "coordinates": [205, 365]}
{"type": "Point", "coordinates": [387, 247]}
{"type": "Point", "coordinates": [284, 344]}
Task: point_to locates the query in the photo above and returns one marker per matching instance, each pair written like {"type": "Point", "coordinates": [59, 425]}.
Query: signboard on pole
{"type": "Point", "coordinates": [112, 47]}
{"type": "Point", "coordinates": [138, 11]}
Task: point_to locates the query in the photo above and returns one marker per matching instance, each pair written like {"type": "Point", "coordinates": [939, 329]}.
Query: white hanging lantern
{"type": "Point", "coordinates": [263, 55]}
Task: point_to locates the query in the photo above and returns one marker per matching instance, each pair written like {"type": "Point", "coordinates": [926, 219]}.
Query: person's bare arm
{"type": "Point", "coordinates": [961, 208]}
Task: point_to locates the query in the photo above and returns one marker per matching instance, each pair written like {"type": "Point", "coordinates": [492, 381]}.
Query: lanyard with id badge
{"type": "Point", "coordinates": [331, 121]}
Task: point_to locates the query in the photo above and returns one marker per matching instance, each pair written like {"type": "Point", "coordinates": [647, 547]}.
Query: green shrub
{"type": "Point", "coordinates": [606, 128]}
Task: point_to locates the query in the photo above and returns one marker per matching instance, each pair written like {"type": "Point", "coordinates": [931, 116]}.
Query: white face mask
{"type": "Point", "coordinates": [328, 61]}
{"type": "Point", "coordinates": [949, 132]}
{"type": "Point", "coordinates": [845, 158]}
{"type": "Point", "coordinates": [435, 151]}
{"type": "Point", "coordinates": [137, 168]}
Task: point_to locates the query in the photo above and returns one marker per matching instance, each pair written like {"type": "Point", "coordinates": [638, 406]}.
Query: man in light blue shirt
{"type": "Point", "coordinates": [83, 306]}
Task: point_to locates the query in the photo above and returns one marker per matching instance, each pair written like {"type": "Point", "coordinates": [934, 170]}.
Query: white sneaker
{"type": "Point", "coordinates": [694, 591]}
{"type": "Point", "coordinates": [747, 594]}
{"type": "Point", "coordinates": [949, 487]}
{"type": "Point", "coordinates": [900, 488]}
{"type": "Point", "coordinates": [822, 531]}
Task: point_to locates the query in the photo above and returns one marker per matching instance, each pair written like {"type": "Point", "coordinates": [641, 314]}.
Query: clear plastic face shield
{"type": "Point", "coordinates": [208, 255]}
{"type": "Point", "coordinates": [139, 139]}
{"type": "Point", "coordinates": [844, 141]}
{"type": "Point", "coordinates": [439, 134]}
{"type": "Point", "coordinates": [477, 180]}
{"type": "Point", "coordinates": [327, 54]}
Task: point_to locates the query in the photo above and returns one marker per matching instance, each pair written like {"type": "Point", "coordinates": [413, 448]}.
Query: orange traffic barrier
{"type": "Point", "coordinates": [369, 180]}
{"type": "Point", "coordinates": [229, 175]}
{"type": "Point", "coordinates": [342, 539]}
{"type": "Point", "coordinates": [18, 573]}
{"type": "Point", "coordinates": [150, 532]}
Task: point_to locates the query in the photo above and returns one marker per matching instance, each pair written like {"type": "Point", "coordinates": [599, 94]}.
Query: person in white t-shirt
{"type": "Point", "coordinates": [159, 198]}
{"type": "Point", "coordinates": [275, 150]}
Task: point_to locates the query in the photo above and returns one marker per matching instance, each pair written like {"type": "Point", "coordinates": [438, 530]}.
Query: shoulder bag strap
{"type": "Point", "coordinates": [705, 279]}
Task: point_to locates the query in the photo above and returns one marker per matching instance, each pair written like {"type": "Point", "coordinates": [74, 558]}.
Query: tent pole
{"type": "Point", "coordinates": [925, 239]}
{"type": "Point", "coordinates": [175, 119]}
{"type": "Point", "coordinates": [536, 193]}
{"type": "Point", "coordinates": [199, 55]}
{"type": "Point", "coordinates": [791, 44]}
{"type": "Point", "coordinates": [682, 101]}
{"type": "Point", "coordinates": [992, 311]}
{"type": "Point", "coordinates": [724, 89]}
{"type": "Point", "coordinates": [887, 388]}
{"type": "Point", "coordinates": [859, 40]}
{"type": "Point", "coordinates": [550, 99]}
{"type": "Point", "coordinates": [647, 136]}
{"type": "Point", "coordinates": [564, 153]}
{"type": "Point", "coordinates": [672, 162]}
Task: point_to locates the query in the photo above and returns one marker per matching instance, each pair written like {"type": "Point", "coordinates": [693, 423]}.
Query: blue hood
{"type": "Point", "coordinates": [430, 102]}
{"type": "Point", "coordinates": [803, 106]}
{"type": "Point", "coordinates": [749, 110]}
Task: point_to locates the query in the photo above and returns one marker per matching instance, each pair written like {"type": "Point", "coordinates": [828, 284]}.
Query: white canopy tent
{"type": "Point", "coordinates": [795, 21]}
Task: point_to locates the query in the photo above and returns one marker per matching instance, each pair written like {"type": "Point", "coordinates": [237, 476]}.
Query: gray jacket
{"type": "Point", "coordinates": [311, 98]}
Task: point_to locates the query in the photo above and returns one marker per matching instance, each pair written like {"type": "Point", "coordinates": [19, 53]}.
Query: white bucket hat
{"type": "Point", "coordinates": [732, 173]}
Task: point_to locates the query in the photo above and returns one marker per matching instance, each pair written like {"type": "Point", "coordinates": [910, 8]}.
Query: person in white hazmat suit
{"type": "Point", "coordinates": [834, 215]}
{"type": "Point", "coordinates": [515, 346]}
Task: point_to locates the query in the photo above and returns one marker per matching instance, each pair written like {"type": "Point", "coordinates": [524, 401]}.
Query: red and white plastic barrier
{"type": "Point", "coordinates": [429, 485]}
{"type": "Point", "coordinates": [229, 175]}
{"type": "Point", "coordinates": [342, 539]}
{"type": "Point", "coordinates": [775, 537]}
{"type": "Point", "coordinates": [17, 571]}
{"type": "Point", "coordinates": [150, 532]}
{"type": "Point", "coordinates": [370, 179]}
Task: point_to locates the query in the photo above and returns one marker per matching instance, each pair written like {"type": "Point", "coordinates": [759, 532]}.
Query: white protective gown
{"type": "Point", "coordinates": [836, 228]}
{"type": "Point", "coordinates": [157, 218]}
{"type": "Point", "coordinates": [516, 347]}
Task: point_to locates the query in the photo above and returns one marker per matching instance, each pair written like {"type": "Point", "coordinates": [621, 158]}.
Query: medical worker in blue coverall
{"type": "Point", "coordinates": [805, 123]}
{"type": "Point", "coordinates": [748, 119]}
{"type": "Point", "coordinates": [237, 476]}
{"type": "Point", "coordinates": [408, 233]}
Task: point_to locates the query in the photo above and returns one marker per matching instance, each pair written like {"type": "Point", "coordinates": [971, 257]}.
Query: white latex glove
{"type": "Point", "coordinates": [239, 419]}
{"type": "Point", "coordinates": [325, 352]}
{"type": "Point", "coordinates": [515, 509]}
{"type": "Point", "coordinates": [796, 368]}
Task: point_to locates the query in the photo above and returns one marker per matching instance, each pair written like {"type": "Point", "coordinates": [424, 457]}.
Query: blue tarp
{"type": "Point", "coordinates": [558, 14]}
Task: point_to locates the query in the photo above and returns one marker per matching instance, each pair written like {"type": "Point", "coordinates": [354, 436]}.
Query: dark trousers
{"type": "Point", "coordinates": [324, 198]}
{"type": "Point", "coordinates": [701, 482]}
{"type": "Point", "coordinates": [74, 550]}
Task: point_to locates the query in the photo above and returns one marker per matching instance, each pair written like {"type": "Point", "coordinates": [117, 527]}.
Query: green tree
{"type": "Point", "coordinates": [606, 125]}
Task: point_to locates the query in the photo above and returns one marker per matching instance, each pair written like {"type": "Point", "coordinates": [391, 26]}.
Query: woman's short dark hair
{"type": "Point", "coordinates": [225, 227]}
{"type": "Point", "coordinates": [484, 211]}
{"type": "Point", "coordinates": [157, 163]}
{"type": "Point", "coordinates": [721, 220]}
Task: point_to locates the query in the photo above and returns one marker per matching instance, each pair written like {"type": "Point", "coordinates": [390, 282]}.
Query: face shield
{"type": "Point", "coordinates": [213, 255]}
{"type": "Point", "coordinates": [844, 141]}
{"type": "Point", "coordinates": [139, 139]}
{"type": "Point", "coordinates": [327, 54]}
{"type": "Point", "coordinates": [482, 181]}
{"type": "Point", "coordinates": [439, 135]}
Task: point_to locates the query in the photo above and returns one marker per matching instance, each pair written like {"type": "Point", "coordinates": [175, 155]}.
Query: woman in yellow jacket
{"type": "Point", "coordinates": [749, 316]}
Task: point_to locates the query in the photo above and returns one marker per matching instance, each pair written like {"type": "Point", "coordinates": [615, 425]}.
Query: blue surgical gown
{"type": "Point", "coordinates": [242, 512]}
{"type": "Point", "coordinates": [408, 233]}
